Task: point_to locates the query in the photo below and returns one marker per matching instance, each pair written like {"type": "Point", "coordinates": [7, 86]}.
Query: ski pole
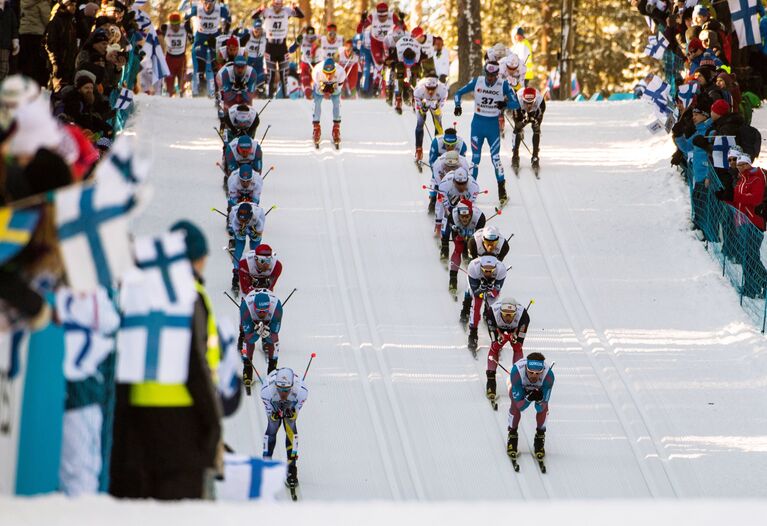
{"type": "Point", "coordinates": [265, 132]}
{"type": "Point", "coordinates": [214, 209]}
{"type": "Point", "coordinates": [532, 301]}
{"type": "Point", "coordinates": [267, 173]}
{"type": "Point", "coordinates": [220, 135]}
{"type": "Point", "coordinates": [273, 207]}
{"type": "Point", "coordinates": [248, 360]}
{"type": "Point", "coordinates": [289, 296]}
{"type": "Point", "coordinates": [306, 371]}
{"type": "Point", "coordinates": [264, 107]}
{"type": "Point", "coordinates": [523, 141]}
{"type": "Point", "coordinates": [424, 162]}
{"type": "Point", "coordinates": [232, 299]}
{"type": "Point", "coordinates": [500, 365]}
{"type": "Point", "coordinates": [498, 211]}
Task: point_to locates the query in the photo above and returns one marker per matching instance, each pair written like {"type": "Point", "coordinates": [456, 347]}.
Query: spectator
{"type": "Point", "coordinates": [78, 106]}
{"type": "Point", "coordinates": [115, 62]}
{"type": "Point", "coordinates": [710, 41]}
{"type": "Point", "coordinates": [9, 38]}
{"type": "Point", "coordinates": [726, 82]}
{"type": "Point", "coordinates": [690, 145]}
{"type": "Point", "coordinates": [94, 50]}
{"type": "Point", "coordinates": [61, 45]}
{"type": "Point", "coordinates": [747, 195]}
{"type": "Point", "coordinates": [695, 52]}
{"type": "Point", "coordinates": [524, 51]}
{"type": "Point", "coordinates": [84, 18]}
{"type": "Point", "coordinates": [32, 60]}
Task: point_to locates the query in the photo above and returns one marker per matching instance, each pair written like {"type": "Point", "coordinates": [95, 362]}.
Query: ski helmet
{"type": "Point", "coordinates": [460, 176]}
{"type": "Point", "coordinates": [488, 266]}
{"type": "Point", "coordinates": [244, 145]}
{"type": "Point", "coordinates": [431, 83]}
{"type": "Point", "coordinates": [490, 238]}
{"type": "Point", "coordinates": [408, 57]}
{"type": "Point", "coordinates": [512, 62]}
{"type": "Point", "coordinates": [492, 69]}
{"type": "Point", "coordinates": [508, 309]}
{"type": "Point", "coordinates": [329, 67]}
{"type": "Point", "coordinates": [245, 173]}
{"type": "Point", "coordinates": [283, 379]}
{"type": "Point", "coordinates": [452, 159]}
{"type": "Point", "coordinates": [244, 212]}
{"type": "Point", "coordinates": [529, 95]}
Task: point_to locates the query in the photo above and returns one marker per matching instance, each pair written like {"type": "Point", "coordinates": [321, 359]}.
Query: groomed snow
{"type": "Point", "coordinates": [660, 375]}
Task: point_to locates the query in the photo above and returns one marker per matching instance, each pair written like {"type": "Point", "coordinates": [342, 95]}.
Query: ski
{"type": "Point", "coordinates": [474, 352]}
{"type": "Point", "coordinates": [293, 490]}
{"type": "Point", "coordinates": [493, 403]}
{"type": "Point", "coordinates": [514, 463]}
{"type": "Point", "coordinates": [418, 166]}
{"type": "Point", "coordinates": [453, 291]}
{"type": "Point", "coordinates": [337, 145]}
{"type": "Point", "coordinates": [247, 387]}
{"type": "Point", "coordinates": [540, 461]}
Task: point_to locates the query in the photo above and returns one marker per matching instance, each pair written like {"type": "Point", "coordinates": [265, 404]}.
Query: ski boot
{"type": "Point", "coordinates": [247, 376]}
{"type": "Point", "coordinates": [272, 365]}
{"type": "Point", "coordinates": [336, 133]}
{"type": "Point", "coordinates": [235, 283]}
{"type": "Point", "coordinates": [452, 285]}
{"type": "Point", "coordinates": [538, 443]}
{"type": "Point", "coordinates": [473, 339]}
{"type": "Point", "coordinates": [398, 104]}
{"type": "Point", "coordinates": [490, 386]}
{"type": "Point", "coordinates": [201, 83]}
{"type": "Point", "coordinates": [464, 317]}
{"type": "Point", "coordinates": [511, 444]}
{"type": "Point", "coordinates": [534, 161]}
{"type": "Point", "coordinates": [316, 133]}
{"type": "Point", "coordinates": [443, 251]}
{"type": "Point", "coordinates": [419, 154]}
{"type": "Point", "coordinates": [432, 205]}
{"type": "Point", "coordinates": [502, 197]}
{"type": "Point", "coordinates": [515, 162]}
{"type": "Point", "coordinates": [292, 479]}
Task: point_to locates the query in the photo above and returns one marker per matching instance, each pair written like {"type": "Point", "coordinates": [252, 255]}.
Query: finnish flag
{"type": "Point", "coordinates": [745, 21]}
{"type": "Point", "coordinates": [656, 47]}
{"type": "Point", "coordinates": [157, 301]}
{"type": "Point", "coordinates": [124, 99]}
{"type": "Point", "coordinates": [92, 224]}
{"type": "Point", "coordinates": [657, 92]}
{"type": "Point", "coordinates": [250, 478]}
{"type": "Point", "coordinates": [90, 322]}
{"type": "Point", "coordinates": [687, 92]}
{"type": "Point", "coordinates": [123, 168]}
{"type": "Point", "coordinates": [722, 145]}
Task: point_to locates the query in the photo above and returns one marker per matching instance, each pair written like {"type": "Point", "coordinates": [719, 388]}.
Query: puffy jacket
{"type": "Point", "coordinates": [749, 193]}
{"type": "Point", "coordinates": [697, 158]}
{"type": "Point", "coordinates": [8, 27]}
{"type": "Point", "coordinates": [35, 15]}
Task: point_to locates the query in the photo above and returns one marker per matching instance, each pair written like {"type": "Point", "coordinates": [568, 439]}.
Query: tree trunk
{"type": "Point", "coordinates": [416, 15]}
{"type": "Point", "coordinates": [329, 10]}
{"type": "Point", "coordinates": [545, 38]}
{"type": "Point", "coordinates": [469, 40]}
{"type": "Point", "coordinates": [306, 8]}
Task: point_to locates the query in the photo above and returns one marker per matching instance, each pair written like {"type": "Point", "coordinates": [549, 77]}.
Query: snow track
{"type": "Point", "coordinates": [656, 396]}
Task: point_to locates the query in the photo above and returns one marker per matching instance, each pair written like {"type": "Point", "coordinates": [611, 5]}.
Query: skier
{"type": "Point", "coordinates": [466, 219]}
{"type": "Point", "coordinates": [349, 59]}
{"type": "Point", "coordinates": [488, 241]}
{"type": "Point", "coordinates": [531, 383]}
{"type": "Point", "coordinates": [308, 59]}
{"type": "Point", "coordinates": [380, 24]}
{"type": "Point", "coordinates": [485, 276]}
{"type": "Point", "coordinates": [509, 321]}
{"type": "Point", "coordinates": [276, 20]}
{"type": "Point", "coordinates": [491, 97]}
{"type": "Point", "coordinates": [446, 142]}
{"type": "Point", "coordinates": [406, 58]}
{"type": "Point", "coordinates": [530, 112]}
{"type": "Point", "coordinates": [244, 185]}
{"type": "Point", "coordinates": [212, 20]}
{"type": "Point", "coordinates": [254, 47]}
{"type": "Point", "coordinates": [497, 53]}
{"type": "Point", "coordinates": [513, 72]}
{"type": "Point", "coordinates": [328, 83]}
{"type": "Point", "coordinates": [227, 49]}
{"type": "Point", "coordinates": [176, 40]}
{"type": "Point", "coordinates": [456, 185]}
{"type": "Point", "coordinates": [259, 269]}
{"type": "Point", "coordinates": [243, 150]}
{"type": "Point", "coordinates": [240, 120]}
{"type": "Point", "coordinates": [429, 96]}
{"type": "Point", "coordinates": [427, 67]}
{"type": "Point", "coordinates": [238, 82]}
{"type": "Point", "coordinates": [447, 162]}
{"type": "Point", "coordinates": [246, 221]}
{"type": "Point", "coordinates": [260, 318]}
{"type": "Point", "coordinates": [283, 395]}
{"type": "Point", "coordinates": [329, 46]}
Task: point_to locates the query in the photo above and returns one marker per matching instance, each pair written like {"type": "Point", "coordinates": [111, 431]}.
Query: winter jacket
{"type": "Point", "coordinates": [749, 193]}
{"type": "Point", "coordinates": [61, 41]}
{"type": "Point", "coordinates": [35, 15]}
{"type": "Point", "coordinates": [8, 27]}
{"type": "Point", "coordinates": [697, 158]}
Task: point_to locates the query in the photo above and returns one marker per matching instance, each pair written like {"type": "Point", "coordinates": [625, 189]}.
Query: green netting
{"type": "Point", "coordinates": [733, 240]}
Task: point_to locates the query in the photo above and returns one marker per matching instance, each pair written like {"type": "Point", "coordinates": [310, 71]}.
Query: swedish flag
{"type": "Point", "coordinates": [16, 227]}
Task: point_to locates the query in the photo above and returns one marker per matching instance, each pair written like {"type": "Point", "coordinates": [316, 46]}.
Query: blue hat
{"type": "Point", "coordinates": [262, 301]}
{"type": "Point", "coordinates": [246, 172]}
{"type": "Point", "coordinates": [196, 246]}
{"type": "Point", "coordinates": [244, 142]}
{"type": "Point", "coordinates": [240, 60]}
{"type": "Point", "coordinates": [450, 136]}
{"type": "Point", "coordinates": [258, 23]}
{"type": "Point", "coordinates": [329, 66]}
{"type": "Point", "coordinates": [535, 366]}
{"type": "Point", "coordinates": [245, 212]}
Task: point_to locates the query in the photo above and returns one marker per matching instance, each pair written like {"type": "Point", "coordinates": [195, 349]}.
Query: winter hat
{"type": "Point", "coordinates": [196, 246]}
{"type": "Point", "coordinates": [743, 158]}
{"type": "Point", "coordinates": [700, 10]}
{"type": "Point", "coordinates": [735, 152]}
{"type": "Point", "coordinates": [700, 111]}
{"type": "Point", "coordinates": [695, 45]}
{"type": "Point", "coordinates": [99, 36]}
{"type": "Point", "coordinates": [720, 107]}
{"type": "Point", "coordinates": [35, 128]}
{"type": "Point", "coordinates": [84, 77]}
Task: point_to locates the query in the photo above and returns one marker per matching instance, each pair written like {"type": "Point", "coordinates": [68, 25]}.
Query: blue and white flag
{"type": "Point", "coordinates": [154, 56]}
{"type": "Point", "coordinates": [657, 92]}
{"type": "Point", "coordinates": [124, 99]}
{"type": "Point", "coordinates": [90, 322]}
{"type": "Point", "coordinates": [92, 222]}
{"type": "Point", "coordinates": [123, 168]}
{"type": "Point", "coordinates": [745, 21]}
{"type": "Point", "coordinates": [687, 92]}
{"type": "Point", "coordinates": [16, 227]}
{"type": "Point", "coordinates": [157, 302]}
{"type": "Point", "coordinates": [250, 478]}
{"type": "Point", "coordinates": [656, 47]}
{"type": "Point", "coordinates": [721, 147]}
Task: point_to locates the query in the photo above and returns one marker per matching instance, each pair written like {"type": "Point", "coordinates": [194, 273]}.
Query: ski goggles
{"type": "Point", "coordinates": [283, 389]}
{"type": "Point", "coordinates": [492, 69]}
{"type": "Point", "coordinates": [263, 260]}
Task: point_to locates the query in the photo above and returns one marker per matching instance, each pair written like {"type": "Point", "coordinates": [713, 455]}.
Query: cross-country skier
{"type": "Point", "coordinates": [240, 120]}
{"type": "Point", "coordinates": [446, 142]}
{"type": "Point", "coordinates": [531, 383]}
{"type": "Point", "coordinates": [276, 18]}
{"type": "Point", "coordinates": [491, 97]}
{"type": "Point", "coordinates": [177, 38]}
{"type": "Point", "coordinates": [488, 241]}
{"type": "Point", "coordinates": [212, 20]}
{"type": "Point", "coordinates": [530, 112]}
{"type": "Point", "coordinates": [466, 219]}
{"type": "Point", "coordinates": [349, 59]}
{"type": "Point", "coordinates": [260, 318]}
{"type": "Point", "coordinates": [485, 276]}
{"type": "Point", "coordinates": [456, 185]}
{"type": "Point", "coordinates": [259, 269]}
{"type": "Point", "coordinates": [447, 162]}
{"type": "Point", "coordinates": [307, 52]}
{"type": "Point", "coordinates": [243, 150]}
{"type": "Point", "coordinates": [329, 45]}
{"type": "Point", "coordinates": [428, 97]}
{"type": "Point", "coordinates": [381, 23]}
{"type": "Point", "coordinates": [328, 83]}
{"type": "Point", "coordinates": [246, 221]}
{"type": "Point", "coordinates": [405, 58]}
{"type": "Point", "coordinates": [254, 47]}
{"type": "Point", "coordinates": [426, 42]}
{"type": "Point", "coordinates": [244, 185]}
{"type": "Point", "coordinates": [283, 395]}
{"type": "Point", "coordinates": [509, 321]}
{"type": "Point", "coordinates": [237, 82]}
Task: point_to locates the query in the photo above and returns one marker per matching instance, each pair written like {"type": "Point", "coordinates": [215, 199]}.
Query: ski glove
{"type": "Point", "coordinates": [457, 111]}
{"type": "Point", "coordinates": [274, 417]}
{"type": "Point", "coordinates": [501, 104]}
{"type": "Point", "coordinates": [290, 414]}
{"type": "Point", "coordinates": [701, 142]}
{"type": "Point", "coordinates": [535, 395]}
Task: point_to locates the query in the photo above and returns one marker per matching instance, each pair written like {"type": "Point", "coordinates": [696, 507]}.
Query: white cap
{"type": "Point", "coordinates": [460, 176]}
{"type": "Point", "coordinates": [284, 378]}
{"type": "Point", "coordinates": [743, 158]}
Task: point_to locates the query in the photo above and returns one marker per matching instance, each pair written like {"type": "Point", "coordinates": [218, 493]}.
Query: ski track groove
{"type": "Point", "coordinates": [357, 265]}
{"type": "Point", "coordinates": [540, 225]}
